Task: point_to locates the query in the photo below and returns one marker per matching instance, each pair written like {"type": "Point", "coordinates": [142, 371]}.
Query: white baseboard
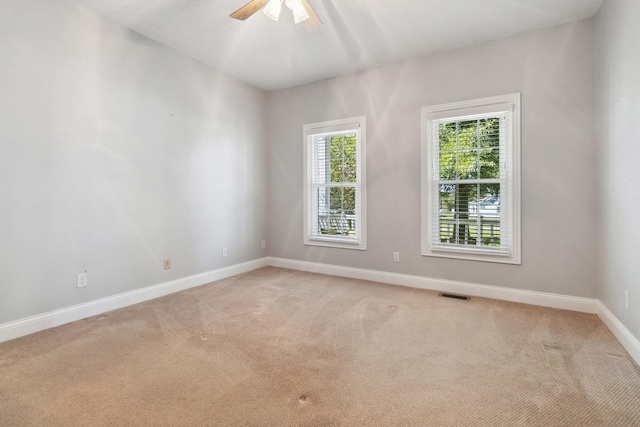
{"type": "Point", "coordinates": [565, 302]}
{"type": "Point", "coordinates": [626, 338]}
{"type": "Point", "coordinates": [30, 325]}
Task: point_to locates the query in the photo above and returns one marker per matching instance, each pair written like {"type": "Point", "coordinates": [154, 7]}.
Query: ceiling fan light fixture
{"type": "Point", "coordinates": [299, 12]}
{"type": "Point", "coordinates": [302, 12]}
{"type": "Point", "coordinates": [272, 9]}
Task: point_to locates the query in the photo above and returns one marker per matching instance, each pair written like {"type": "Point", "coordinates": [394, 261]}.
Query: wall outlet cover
{"type": "Point", "coordinates": [82, 280]}
{"type": "Point", "coordinates": [626, 300]}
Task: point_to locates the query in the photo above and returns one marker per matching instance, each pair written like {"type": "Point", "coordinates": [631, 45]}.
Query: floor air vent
{"type": "Point", "coordinates": [462, 297]}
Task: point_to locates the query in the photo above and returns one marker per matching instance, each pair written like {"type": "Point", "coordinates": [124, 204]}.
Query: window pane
{"type": "Point", "coordinates": [447, 228]}
{"type": "Point", "coordinates": [467, 134]}
{"type": "Point", "coordinates": [447, 198]}
{"type": "Point", "coordinates": [470, 155]}
{"type": "Point", "coordinates": [350, 163]}
{"type": "Point", "coordinates": [490, 163]}
{"type": "Point", "coordinates": [447, 134]}
{"type": "Point", "coordinates": [458, 228]}
{"type": "Point", "coordinates": [458, 213]}
{"type": "Point", "coordinates": [350, 159]}
{"type": "Point", "coordinates": [469, 213]}
{"type": "Point", "coordinates": [335, 198]}
{"type": "Point", "coordinates": [321, 148]}
{"type": "Point", "coordinates": [336, 211]}
{"type": "Point", "coordinates": [489, 132]}
{"type": "Point", "coordinates": [336, 171]}
{"type": "Point", "coordinates": [333, 165]}
{"type": "Point", "coordinates": [448, 165]}
{"type": "Point", "coordinates": [489, 214]}
{"type": "Point", "coordinates": [343, 160]}
{"type": "Point", "coordinates": [466, 198]}
{"type": "Point", "coordinates": [472, 231]}
{"type": "Point", "coordinates": [468, 164]}
{"type": "Point", "coordinates": [350, 170]}
{"type": "Point", "coordinates": [350, 145]}
{"type": "Point", "coordinates": [323, 199]}
{"type": "Point", "coordinates": [349, 198]}
{"type": "Point", "coordinates": [322, 174]}
{"type": "Point", "coordinates": [490, 199]}
{"type": "Point", "coordinates": [490, 235]}
{"type": "Point", "coordinates": [335, 150]}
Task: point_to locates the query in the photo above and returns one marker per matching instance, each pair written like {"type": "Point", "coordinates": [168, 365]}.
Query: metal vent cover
{"type": "Point", "coordinates": [454, 296]}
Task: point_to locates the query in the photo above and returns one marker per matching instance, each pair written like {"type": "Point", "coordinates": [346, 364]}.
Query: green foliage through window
{"type": "Point", "coordinates": [469, 191]}
{"type": "Point", "coordinates": [337, 203]}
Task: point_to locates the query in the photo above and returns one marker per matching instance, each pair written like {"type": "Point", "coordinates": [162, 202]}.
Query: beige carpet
{"type": "Point", "coordinates": [277, 347]}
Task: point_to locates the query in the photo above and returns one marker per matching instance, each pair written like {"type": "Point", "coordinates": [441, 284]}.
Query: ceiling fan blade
{"type": "Point", "coordinates": [313, 23]}
{"type": "Point", "coordinates": [249, 9]}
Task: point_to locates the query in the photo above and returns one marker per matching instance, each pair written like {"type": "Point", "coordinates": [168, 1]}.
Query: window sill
{"type": "Point", "coordinates": [335, 243]}
{"type": "Point", "coordinates": [474, 256]}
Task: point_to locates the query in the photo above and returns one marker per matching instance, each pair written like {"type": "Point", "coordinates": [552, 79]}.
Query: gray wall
{"type": "Point", "coordinates": [117, 152]}
{"type": "Point", "coordinates": [554, 71]}
{"type": "Point", "coordinates": [618, 123]}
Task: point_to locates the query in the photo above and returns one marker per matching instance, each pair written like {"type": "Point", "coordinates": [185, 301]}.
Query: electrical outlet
{"type": "Point", "coordinates": [626, 300]}
{"type": "Point", "coordinates": [396, 257]}
{"type": "Point", "coordinates": [167, 263]}
{"type": "Point", "coordinates": [264, 244]}
{"type": "Point", "coordinates": [224, 251]}
{"type": "Point", "coordinates": [82, 279]}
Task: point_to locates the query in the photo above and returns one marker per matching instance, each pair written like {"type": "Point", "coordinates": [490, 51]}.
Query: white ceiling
{"type": "Point", "coordinates": [357, 34]}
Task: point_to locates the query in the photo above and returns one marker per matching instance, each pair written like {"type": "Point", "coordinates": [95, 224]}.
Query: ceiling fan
{"type": "Point", "coordinates": [302, 12]}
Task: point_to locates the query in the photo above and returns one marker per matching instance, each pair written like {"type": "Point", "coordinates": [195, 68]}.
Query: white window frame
{"type": "Point", "coordinates": [359, 241]}
{"type": "Point", "coordinates": [510, 163]}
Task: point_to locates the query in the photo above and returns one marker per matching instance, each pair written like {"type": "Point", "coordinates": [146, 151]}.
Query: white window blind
{"type": "Point", "coordinates": [471, 180]}
{"type": "Point", "coordinates": [334, 184]}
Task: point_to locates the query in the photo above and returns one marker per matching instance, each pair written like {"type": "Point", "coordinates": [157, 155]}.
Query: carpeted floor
{"type": "Point", "coordinates": [278, 347]}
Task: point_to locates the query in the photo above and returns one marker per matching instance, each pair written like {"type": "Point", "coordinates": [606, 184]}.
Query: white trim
{"type": "Point", "coordinates": [544, 299]}
{"type": "Point", "coordinates": [33, 324]}
{"type": "Point", "coordinates": [471, 256]}
{"type": "Point", "coordinates": [626, 338]}
{"type": "Point", "coordinates": [456, 111]}
{"type": "Point", "coordinates": [476, 106]}
{"type": "Point", "coordinates": [359, 124]}
{"type": "Point", "coordinates": [40, 322]}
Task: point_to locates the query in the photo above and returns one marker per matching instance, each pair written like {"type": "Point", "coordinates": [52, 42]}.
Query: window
{"type": "Point", "coordinates": [471, 180]}
{"type": "Point", "coordinates": [334, 190]}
